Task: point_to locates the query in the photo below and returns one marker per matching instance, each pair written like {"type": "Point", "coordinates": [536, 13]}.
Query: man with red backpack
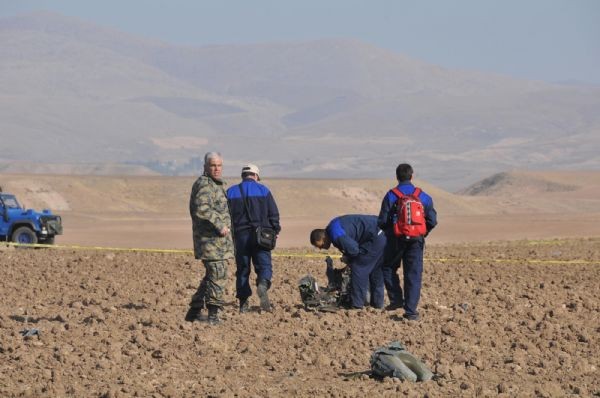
{"type": "Point", "coordinates": [407, 216]}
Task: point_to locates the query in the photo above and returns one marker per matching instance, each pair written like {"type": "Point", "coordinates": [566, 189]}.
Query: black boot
{"type": "Point", "coordinates": [244, 305]}
{"type": "Point", "coordinates": [395, 306]}
{"type": "Point", "coordinates": [262, 288]}
{"type": "Point", "coordinates": [194, 314]}
{"type": "Point", "coordinates": [213, 315]}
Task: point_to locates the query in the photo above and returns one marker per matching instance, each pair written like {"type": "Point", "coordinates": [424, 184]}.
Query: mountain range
{"type": "Point", "coordinates": [80, 98]}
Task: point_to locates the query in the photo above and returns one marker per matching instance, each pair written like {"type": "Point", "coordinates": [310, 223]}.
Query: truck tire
{"type": "Point", "coordinates": [24, 235]}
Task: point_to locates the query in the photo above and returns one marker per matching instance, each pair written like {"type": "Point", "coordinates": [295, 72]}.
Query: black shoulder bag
{"type": "Point", "coordinates": [265, 237]}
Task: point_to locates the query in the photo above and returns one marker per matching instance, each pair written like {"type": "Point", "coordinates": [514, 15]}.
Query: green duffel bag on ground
{"type": "Point", "coordinates": [395, 361]}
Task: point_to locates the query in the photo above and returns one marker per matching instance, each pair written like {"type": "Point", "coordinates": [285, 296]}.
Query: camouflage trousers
{"type": "Point", "coordinates": [212, 286]}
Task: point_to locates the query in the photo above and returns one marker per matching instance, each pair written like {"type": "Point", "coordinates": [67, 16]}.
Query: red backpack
{"type": "Point", "coordinates": [410, 216]}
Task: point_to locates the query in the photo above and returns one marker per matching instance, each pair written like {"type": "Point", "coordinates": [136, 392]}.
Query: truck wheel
{"type": "Point", "coordinates": [24, 235]}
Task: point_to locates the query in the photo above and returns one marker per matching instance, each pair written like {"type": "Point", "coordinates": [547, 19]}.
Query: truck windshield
{"type": "Point", "coordinates": [10, 202]}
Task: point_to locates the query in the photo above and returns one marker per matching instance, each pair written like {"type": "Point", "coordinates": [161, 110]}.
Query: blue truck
{"type": "Point", "coordinates": [21, 225]}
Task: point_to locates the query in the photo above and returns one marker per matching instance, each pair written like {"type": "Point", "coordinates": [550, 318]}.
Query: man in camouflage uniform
{"type": "Point", "coordinates": [213, 244]}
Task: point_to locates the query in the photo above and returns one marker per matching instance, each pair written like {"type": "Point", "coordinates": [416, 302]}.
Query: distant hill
{"type": "Point", "coordinates": [538, 192]}
{"type": "Point", "coordinates": [76, 168]}
{"type": "Point", "coordinates": [515, 184]}
{"type": "Point", "coordinates": [152, 211]}
{"type": "Point", "coordinates": [72, 92]}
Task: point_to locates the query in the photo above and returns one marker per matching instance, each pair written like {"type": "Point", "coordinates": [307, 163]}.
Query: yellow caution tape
{"type": "Point", "coordinates": [122, 249]}
{"type": "Point", "coordinates": [306, 255]}
{"type": "Point", "coordinates": [137, 249]}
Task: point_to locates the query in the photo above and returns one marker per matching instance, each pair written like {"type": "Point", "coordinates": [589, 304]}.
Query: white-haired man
{"type": "Point", "coordinates": [213, 244]}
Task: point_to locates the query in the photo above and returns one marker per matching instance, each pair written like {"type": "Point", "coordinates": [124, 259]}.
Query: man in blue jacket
{"type": "Point", "coordinates": [409, 251]}
{"type": "Point", "coordinates": [361, 243]}
{"type": "Point", "coordinates": [259, 209]}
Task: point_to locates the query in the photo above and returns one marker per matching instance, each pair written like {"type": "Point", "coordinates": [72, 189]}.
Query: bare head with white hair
{"type": "Point", "coordinates": [213, 165]}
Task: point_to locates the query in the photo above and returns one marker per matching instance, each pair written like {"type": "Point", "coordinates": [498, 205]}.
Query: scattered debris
{"type": "Point", "coordinates": [30, 332]}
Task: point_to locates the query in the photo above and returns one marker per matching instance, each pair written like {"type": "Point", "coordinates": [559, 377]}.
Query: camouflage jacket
{"type": "Point", "coordinates": [210, 214]}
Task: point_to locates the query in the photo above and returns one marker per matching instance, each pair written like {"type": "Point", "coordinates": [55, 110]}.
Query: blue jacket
{"type": "Point", "coordinates": [351, 234]}
{"type": "Point", "coordinates": [388, 207]}
{"type": "Point", "coordinates": [261, 204]}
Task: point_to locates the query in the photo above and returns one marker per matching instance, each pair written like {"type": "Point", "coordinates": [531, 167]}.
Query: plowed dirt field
{"type": "Point", "coordinates": [498, 319]}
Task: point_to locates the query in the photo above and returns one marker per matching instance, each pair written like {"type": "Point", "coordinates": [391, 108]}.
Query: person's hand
{"type": "Point", "coordinates": [329, 261]}
{"type": "Point", "coordinates": [224, 231]}
{"type": "Point", "coordinates": [345, 259]}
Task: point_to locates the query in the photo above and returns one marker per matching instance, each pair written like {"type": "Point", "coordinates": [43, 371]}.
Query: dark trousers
{"type": "Point", "coordinates": [247, 253]}
{"type": "Point", "coordinates": [367, 274]}
{"type": "Point", "coordinates": [409, 254]}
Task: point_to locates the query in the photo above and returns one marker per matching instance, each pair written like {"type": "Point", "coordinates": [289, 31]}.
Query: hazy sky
{"type": "Point", "coordinates": [553, 40]}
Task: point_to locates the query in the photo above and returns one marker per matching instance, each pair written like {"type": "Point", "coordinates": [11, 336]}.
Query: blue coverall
{"type": "Point", "coordinates": [263, 212]}
{"type": "Point", "coordinates": [410, 252]}
{"type": "Point", "coordinates": [359, 238]}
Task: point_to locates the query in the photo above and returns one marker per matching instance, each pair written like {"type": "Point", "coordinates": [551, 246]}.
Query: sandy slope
{"type": "Point", "coordinates": [152, 211]}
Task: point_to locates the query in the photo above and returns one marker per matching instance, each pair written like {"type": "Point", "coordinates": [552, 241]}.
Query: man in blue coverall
{"type": "Point", "coordinates": [409, 251]}
{"type": "Point", "coordinates": [263, 211]}
{"type": "Point", "coordinates": [362, 244]}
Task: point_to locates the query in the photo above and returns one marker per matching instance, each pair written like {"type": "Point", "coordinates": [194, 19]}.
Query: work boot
{"type": "Point", "coordinates": [262, 287]}
{"type": "Point", "coordinates": [244, 305]}
{"type": "Point", "coordinates": [394, 306]}
{"type": "Point", "coordinates": [213, 315]}
{"type": "Point", "coordinates": [193, 314]}
{"type": "Point", "coordinates": [411, 317]}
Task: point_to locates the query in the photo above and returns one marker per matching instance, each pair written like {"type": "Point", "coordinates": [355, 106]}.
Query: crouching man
{"type": "Point", "coordinates": [362, 244]}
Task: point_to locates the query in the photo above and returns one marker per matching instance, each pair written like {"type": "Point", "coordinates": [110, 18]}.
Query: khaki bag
{"type": "Point", "coordinates": [395, 361]}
